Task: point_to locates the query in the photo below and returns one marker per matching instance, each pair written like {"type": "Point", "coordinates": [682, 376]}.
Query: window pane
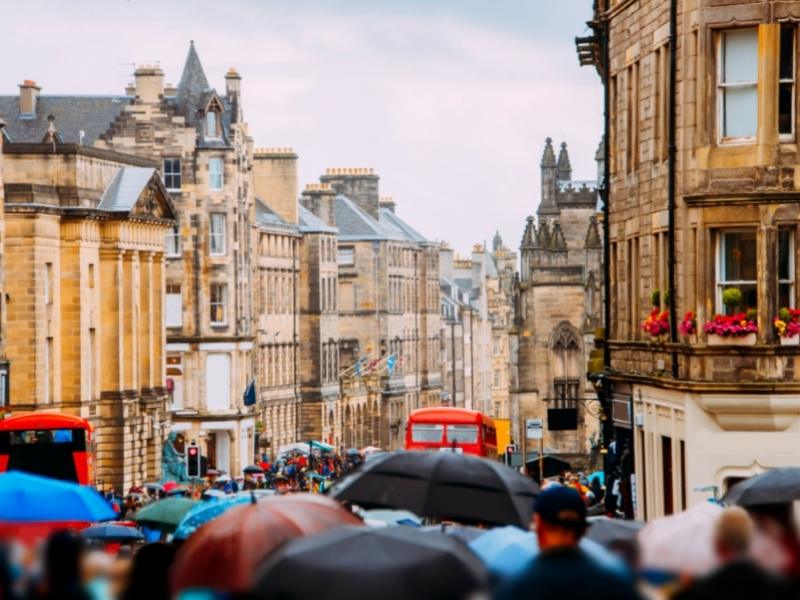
{"type": "Point", "coordinates": [426, 433]}
{"type": "Point", "coordinates": [740, 62]}
{"type": "Point", "coordinates": [215, 173]}
{"type": "Point", "coordinates": [211, 124]}
{"type": "Point", "coordinates": [739, 256]}
{"type": "Point", "coordinates": [785, 107]}
{"type": "Point", "coordinates": [785, 296]}
{"type": "Point", "coordinates": [740, 108]}
{"type": "Point", "coordinates": [787, 51]}
{"type": "Point", "coordinates": [462, 434]}
{"type": "Point", "coordinates": [785, 254]}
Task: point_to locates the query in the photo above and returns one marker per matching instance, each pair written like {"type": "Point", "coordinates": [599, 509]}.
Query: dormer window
{"type": "Point", "coordinates": [212, 124]}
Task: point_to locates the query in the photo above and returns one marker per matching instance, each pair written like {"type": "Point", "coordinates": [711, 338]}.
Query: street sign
{"type": "Point", "coordinates": [533, 429]}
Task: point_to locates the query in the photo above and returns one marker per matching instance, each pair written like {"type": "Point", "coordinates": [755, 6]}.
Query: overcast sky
{"type": "Point", "coordinates": [449, 100]}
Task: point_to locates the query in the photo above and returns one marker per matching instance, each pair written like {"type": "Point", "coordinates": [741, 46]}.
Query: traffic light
{"type": "Point", "coordinates": [193, 460]}
{"type": "Point", "coordinates": [510, 449]}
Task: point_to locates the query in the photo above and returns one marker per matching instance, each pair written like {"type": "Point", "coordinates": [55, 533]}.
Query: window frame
{"type": "Point", "coordinates": [173, 249]}
{"type": "Point", "coordinates": [723, 139]}
{"type": "Point", "coordinates": [719, 284]}
{"type": "Point", "coordinates": [788, 137]}
{"type": "Point", "coordinates": [170, 291]}
{"type": "Point", "coordinates": [791, 232]}
{"type": "Point", "coordinates": [217, 235]}
{"type": "Point", "coordinates": [342, 253]}
{"type": "Point", "coordinates": [212, 185]}
{"type": "Point", "coordinates": [212, 114]}
{"type": "Point", "coordinates": [171, 174]}
{"type": "Point", "coordinates": [221, 301]}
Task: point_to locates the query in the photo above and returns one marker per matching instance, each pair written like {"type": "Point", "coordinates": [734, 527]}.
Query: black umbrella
{"type": "Point", "coordinates": [777, 486]}
{"type": "Point", "coordinates": [444, 485]}
{"type": "Point", "coordinates": [608, 532]}
{"type": "Point", "coordinates": [393, 563]}
{"type": "Point", "coordinates": [465, 533]}
{"type": "Point", "coordinates": [253, 470]}
{"type": "Point", "coordinates": [112, 533]}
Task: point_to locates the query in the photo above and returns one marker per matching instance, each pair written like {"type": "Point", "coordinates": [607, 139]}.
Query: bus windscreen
{"type": "Point", "coordinates": [46, 452]}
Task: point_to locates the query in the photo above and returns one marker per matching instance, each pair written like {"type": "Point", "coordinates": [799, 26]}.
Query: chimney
{"type": "Point", "coordinates": [359, 184]}
{"type": "Point", "coordinates": [275, 180]}
{"type": "Point", "coordinates": [170, 91]}
{"type": "Point", "coordinates": [28, 93]}
{"type": "Point", "coordinates": [149, 83]}
{"type": "Point", "coordinates": [233, 84]}
{"type": "Point", "coordinates": [387, 202]}
{"type": "Point", "coordinates": [320, 199]}
{"type": "Point", "coordinates": [130, 89]}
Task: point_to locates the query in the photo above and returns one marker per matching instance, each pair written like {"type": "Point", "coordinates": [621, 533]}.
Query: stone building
{"type": "Point", "coordinates": [388, 310]}
{"type": "Point", "coordinates": [558, 307]}
{"type": "Point", "coordinates": [200, 141]}
{"type": "Point", "coordinates": [84, 271]}
{"type": "Point", "coordinates": [4, 366]}
{"type": "Point", "coordinates": [719, 213]}
{"type": "Point", "coordinates": [501, 270]}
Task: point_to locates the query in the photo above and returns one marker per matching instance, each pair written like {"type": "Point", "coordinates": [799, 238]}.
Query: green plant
{"type": "Point", "coordinates": [784, 315]}
{"type": "Point", "coordinates": [732, 298]}
{"type": "Point", "coordinates": [752, 314]}
{"type": "Point", "coordinates": [655, 298]}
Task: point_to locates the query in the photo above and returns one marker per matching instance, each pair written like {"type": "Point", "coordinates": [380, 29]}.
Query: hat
{"type": "Point", "coordinates": [562, 506]}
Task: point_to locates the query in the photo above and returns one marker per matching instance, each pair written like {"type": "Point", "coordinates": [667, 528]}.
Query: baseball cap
{"type": "Point", "coordinates": [561, 506]}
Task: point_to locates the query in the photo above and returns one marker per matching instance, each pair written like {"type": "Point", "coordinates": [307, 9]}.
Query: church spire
{"type": "Point", "coordinates": [549, 168]}
{"type": "Point", "coordinates": [193, 85]}
{"type": "Point", "coordinates": [549, 156]}
{"type": "Point", "coordinates": [564, 167]}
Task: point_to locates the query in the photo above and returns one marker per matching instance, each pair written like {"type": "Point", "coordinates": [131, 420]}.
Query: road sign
{"type": "Point", "coordinates": [533, 429]}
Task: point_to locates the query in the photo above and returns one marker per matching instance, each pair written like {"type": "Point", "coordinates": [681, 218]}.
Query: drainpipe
{"type": "Point", "coordinates": [673, 325]}
{"type": "Point", "coordinates": [606, 192]}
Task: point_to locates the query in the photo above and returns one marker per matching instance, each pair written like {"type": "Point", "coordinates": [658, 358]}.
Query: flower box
{"type": "Point", "coordinates": [731, 340]}
{"type": "Point", "coordinates": [790, 341]}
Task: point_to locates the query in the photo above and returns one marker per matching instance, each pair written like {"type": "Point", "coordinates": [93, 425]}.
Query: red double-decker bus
{"type": "Point", "coordinates": [451, 429]}
{"type": "Point", "coordinates": [48, 444]}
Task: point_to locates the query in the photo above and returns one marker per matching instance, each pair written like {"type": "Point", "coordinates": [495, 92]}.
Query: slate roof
{"type": "Point", "coordinates": [355, 224]}
{"type": "Point", "coordinates": [392, 222]}
{"type": "Point", "coordinates": [311, 223]}
{"type": "Point", "coordinates": [92, 114]}
{"type": "Point", "coordinates": [266, 217]}
{"type": "Point", "coordinates": [193, 87]}
{"type": "Point", "coordinates": [125, 188]}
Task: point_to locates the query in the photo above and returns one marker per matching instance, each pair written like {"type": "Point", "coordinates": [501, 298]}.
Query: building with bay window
{"type": "Point", "coordinates": [706, 237]}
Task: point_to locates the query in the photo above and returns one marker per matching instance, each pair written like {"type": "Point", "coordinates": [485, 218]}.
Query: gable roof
{"type": "Point", "coordinates": [355, 224]}
{"type": "Point", "coordinates": [91, 114]}
{"type": "Point", "coordinates": [128, 186]}
{"type": "Point", "coordinates": [311, 223]}
{"type": "Point", "coordinates": [392, 222]}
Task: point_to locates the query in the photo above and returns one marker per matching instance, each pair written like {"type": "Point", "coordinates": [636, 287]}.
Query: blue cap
{"type": "Point", "coordinates": [562, 506]}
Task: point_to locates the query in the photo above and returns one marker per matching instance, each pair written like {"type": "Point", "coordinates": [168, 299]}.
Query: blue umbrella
{"type": "Point", "coordinates": [117, 533]}
{"type": "Point", "coordinates": [203, 512]}
{"type": "Point", "coordinates": [26, 498]}
{"type": "Point", "coordinates": [506, 551]}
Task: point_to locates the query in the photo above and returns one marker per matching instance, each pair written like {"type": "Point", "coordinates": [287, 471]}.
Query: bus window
{"type": "Point", "coordinates": [462, 434]}
{"type": "Point", "coordinates": [424, 432]}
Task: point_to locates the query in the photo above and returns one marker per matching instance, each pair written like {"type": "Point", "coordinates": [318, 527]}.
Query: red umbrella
{"type": "Point", "coordinates": [224, 554]}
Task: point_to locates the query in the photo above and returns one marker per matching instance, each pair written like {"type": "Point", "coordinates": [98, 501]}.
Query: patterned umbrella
{"type": "Point", "coordinates": [202, 513]}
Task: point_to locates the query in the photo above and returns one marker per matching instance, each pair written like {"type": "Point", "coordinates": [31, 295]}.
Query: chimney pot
{"type": "Point", "coordinates": [149, 83]}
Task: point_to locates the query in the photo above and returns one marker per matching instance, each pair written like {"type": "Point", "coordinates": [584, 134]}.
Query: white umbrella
{"type": "Point", "coordinates": [682, 543]}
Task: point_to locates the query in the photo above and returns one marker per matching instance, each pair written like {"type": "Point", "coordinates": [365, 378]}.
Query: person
{"type": "Point", "coordinates": [561, 569]}
{"type": "Point", "coordinates": [738, 576]}
{"type": "Point", "coordinates": [62, 574]}
{"type": "Point", "coordinates": [119, 574]}
{"type": "Point", "coordinates": [149, 578]}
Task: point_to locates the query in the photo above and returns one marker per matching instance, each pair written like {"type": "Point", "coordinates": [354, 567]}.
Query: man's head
{"type": "Point", "coordinates": [559, 517]}
{"type": "Point", "coordinates": [733, 533]}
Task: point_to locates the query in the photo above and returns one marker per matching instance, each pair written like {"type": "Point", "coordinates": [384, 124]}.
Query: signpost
{"type": "Point", "coordinates": [534, 430]}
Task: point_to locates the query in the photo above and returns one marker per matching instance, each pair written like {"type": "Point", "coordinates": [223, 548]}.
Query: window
{"type": "Point", "coordinates": [462, 434]}
{"type": "Point", "coordinates": [215, 179]}
{"type": "Point", "coordinates": [212, 124]}
{"type": "Point", "coordinates": [91, 276]}
{"type": "Point", "coordinates": [172, 173]}
{"type": "Point", "coordinates": [738, 83]}
{"type": "Point", "coordinates": [48, 283]}
{"type": "Point", "coordinates": [218, 299]}
{"type": "Point", "coordinates": [426, 433]}
{"type": "Point", "coordinates": [174, 242]}
{"type": "Point", "coordinates": [216, 234]}
{"type": "Point", "coordinates": [786, 83]}
{"type": "Point", "coordinates": [174, 306]}
{"type": "Point", "coordinates": [218, 382]}
{"type": "Point", "coordinates": [736, 268]}
{"type": "Point", "coordinates": [346, 256]}
{"type": "Point", "coordinates": [632, 124]}
{"type": "Point", "coordinates": [786, 268]}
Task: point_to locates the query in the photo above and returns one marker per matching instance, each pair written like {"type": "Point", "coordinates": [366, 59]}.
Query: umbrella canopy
{"type": "Point", "coordinates": [164, 515]}
{"type": "Point", "coordinates": [508, 550]}
{"type": "Point", "coordinates": [112, 533]}
{"type": "Point", "coordinates": [370, 450]}
{"type": "Point", "coordinates": [464, 533]}
{"type": "Point", "coordinates": [224, 554]}
{"type": "Point", "coordinates": [253, 470]}
{"type": "Point", "coordinates": [203, 512]}
{"type": "Point", "coordinates": [154, 487]}
{"type": "Point", "coordinates": [777, 486]}
{"type": "Point", "coordinates": [212, 493]}
{"type": "Point", "coordinates": [394, 563]}
{"type": "Point", "coordinates": [379, 517]}
{"type": "Point", "coordinates": [442, 484]}
{"type": "Point", "coordinates": [608, 532]}
{"type": "Point", "coordinates": [681, 543]}
{"type": "Point", "coordinates": [26, 498]}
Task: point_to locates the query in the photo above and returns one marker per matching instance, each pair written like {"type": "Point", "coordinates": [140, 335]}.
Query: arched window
{"type": "Point", "coordinates": [212, 124]}
{"type": "Point", "coordinates": [565, 347]}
